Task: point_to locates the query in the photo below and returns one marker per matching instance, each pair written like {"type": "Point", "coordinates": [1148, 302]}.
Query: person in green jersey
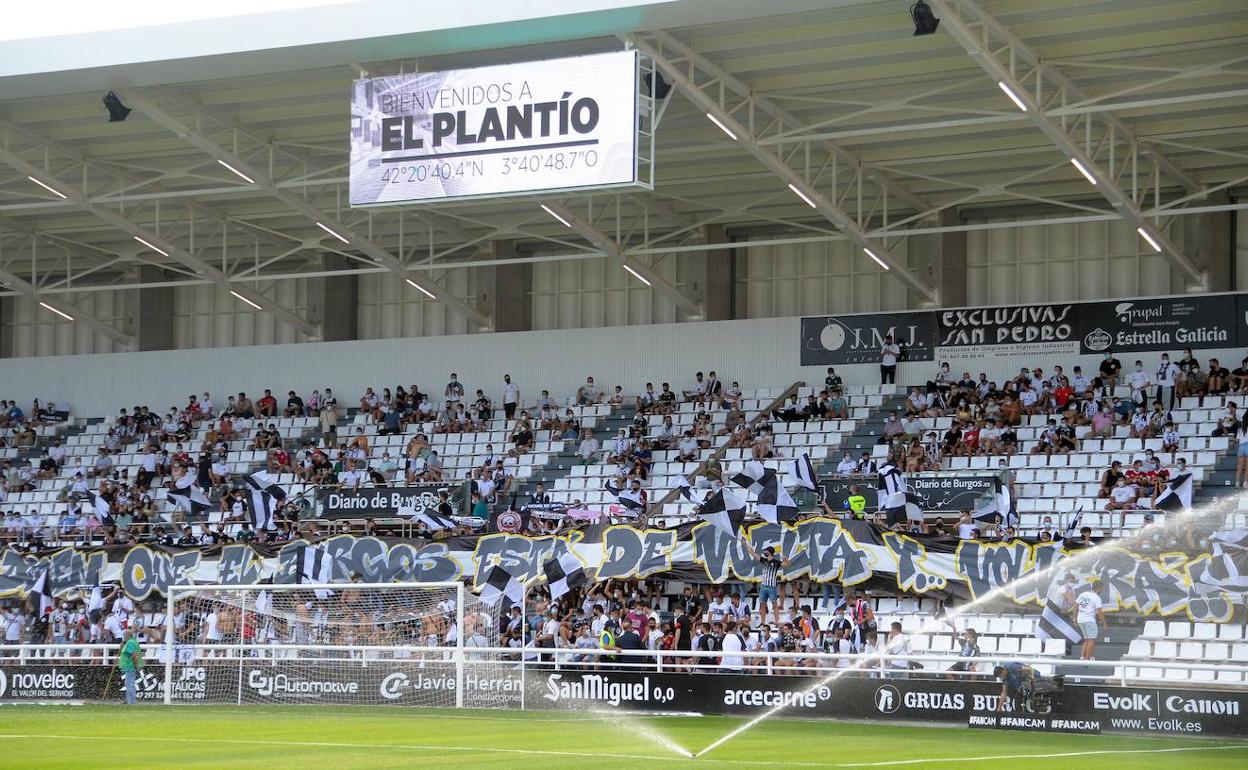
{"type": "Point", "coordinates": [130, 661]}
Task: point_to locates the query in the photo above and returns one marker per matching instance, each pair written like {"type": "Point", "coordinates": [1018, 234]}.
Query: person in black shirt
{"type": "Point", "coordinates": [1066, 441]}
{"type": "Point", "coordinates": [1109, 371]}
{"type": "Point", "coordinates": [628, 639]}
{"type": "Point", "coordinates": [769, 588]}
{"type": "Point", "coordinates": [684, 632]}
{"type": "Point", "coordinates": [444, 504]}
{"type": "Point", "coordinates": [294, 405]}
{"type": "Point", "coordinates": [1109, 479]}
{"type": "Point", "coordinates": [1219, 380]}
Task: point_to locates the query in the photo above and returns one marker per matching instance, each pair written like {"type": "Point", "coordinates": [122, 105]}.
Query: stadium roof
{"type": "Point", "coordinates": [888, 134]}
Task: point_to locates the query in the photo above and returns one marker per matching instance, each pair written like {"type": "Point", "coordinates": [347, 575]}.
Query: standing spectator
{"type": "Point", "coordinates": [1109, 370]}
{"type": "Point", "coordinates": [1167, 375]}
{"type": "Point", "coordinates": [769, 588]}
{"type": "Point", "coordinates": [1241, 455]}
{"type": "Point", "coordinates": [511, 397]}
{"type": "Point", "coordinates": [130, 663]}
{"type": "Point", "coordinates": [454, 390]}
{"type": "Point", "coordinates": [889, 353]}
{"type": "Point", "coordinates": [1089, 614]}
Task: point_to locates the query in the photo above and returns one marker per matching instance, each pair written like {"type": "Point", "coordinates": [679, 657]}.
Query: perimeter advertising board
{"type": "Point", "coordinates": [498, 130]}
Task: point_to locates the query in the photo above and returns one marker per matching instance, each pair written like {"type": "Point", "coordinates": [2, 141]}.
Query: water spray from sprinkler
{"type": "Point", "coordinates": [1215, 509]}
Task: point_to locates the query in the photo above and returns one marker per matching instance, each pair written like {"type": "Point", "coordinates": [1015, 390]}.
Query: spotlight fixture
{"type": "Point", "coordinates": [1018, 102]}
{"type": "Point", "coordinates": [552, 212]}
{"type": "Point", "coordinates": [152, 246]}
{"type": "Point", "coordinates": [236, 172]}
{"type": "Point", "coordinates": [117, 111]}
{"type": "Point", "coordinates": [332, 232]}
{"type": "Point", "coordinates": [722, 127]}
{"type": "Point", "coordinates": [636, 274]}
{"type": "Point", "coordinates": [805, 198]}
{"type": "Point", "coordinates": [236, 295]}
{"type": "Point", "coordinates": [61, 313]}
{"type": "Point", "coordinates": [925, 22]}
{"type": "Point", "coordinates": [876, 259]}
{"type": "Point", "coordinates": [1149, 239]}
{"type": "Point", "coordinates": [1083, 170]}
{"type": "Point", "coordinates": [656, 85]}
{"type": "Point", "coordinates": [49, 188]}
{"type": "Point", "coordinates": [420, 288]}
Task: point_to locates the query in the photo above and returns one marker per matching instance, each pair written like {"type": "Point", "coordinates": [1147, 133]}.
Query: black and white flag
{"type": "Point", "coordinates": [316, 566]}
{"type": "Point", "coordinates": [803, 472]}
{"type": "Point", "coordinates": [1054, 624]}
{"type": "Point", "coordinates": [1072, 527]}
{"type": "Point", "coordinates": [687, 491]}
{"type": "Point", "coordinates": [751, 477]}
{"type": "Point", "coordinates": [891, 487]}
{"type": "Point", "coordinates": [774, 503]}
{"type": "Point", "coordinates": [103, 509]}
{"type": "Point", "coordinates": [501, 585]}
{"type": "Point", "coordinates": [1001, 502]}
{"type": "Point", "coordinates": [42, 588]}
{"type": "Point", "coordinates": [1177, 496]}
{"type": "Point", "coordinates": [627, 497]}
{"type": "Point", "coordinates": [1228, 567]}
{"type": "Point", "coordinates": [724, 510]}
{"type": "Point", "coordinates": [562, 575]}
{"type": "Point", "coordinates": [188, 496]}
{"type": "Point", "coordinates": [433, 522]}
{"type": "Point", "coordinates": [266, 498]}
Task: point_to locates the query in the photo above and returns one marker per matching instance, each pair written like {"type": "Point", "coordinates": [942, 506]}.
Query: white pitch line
{"type": "Point", "coordinates": [932, 760]}
{"type": "Point", "coordinates": [603, 755]}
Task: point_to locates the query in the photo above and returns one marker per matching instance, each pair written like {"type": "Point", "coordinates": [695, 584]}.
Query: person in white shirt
{"type": "Point", "coordinates": [890, 351]}
{"type": "Point", "coordinates": [1138, 380]}
{"type": "Point", "coordinates": [732, 646]}
{"type": "Point", "coordinates": [846, 465]}
{"type": "Point", "coordinates": [717, 608]}
{"type": "Point", "coordinates": [1089, 613]}
{"type": "Point", "coordinates": [898, 645]}
{"type": "Point", "coordinates": [1079, 383]}
{"type": "Point", "coordinates": [1167, 374]}
{"type": "Point", "coordinates": [511, 397]}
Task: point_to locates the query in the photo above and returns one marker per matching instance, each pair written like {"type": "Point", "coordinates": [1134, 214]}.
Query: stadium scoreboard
{"type": "Point", "coordinates": [557, 124]}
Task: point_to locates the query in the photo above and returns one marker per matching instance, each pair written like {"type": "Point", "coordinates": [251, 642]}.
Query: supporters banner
{"type": "Point", "coordinates": [951, 492]}
{"type": "Point", "coordinates": [555, 124]}
{"type": "Point", "coordinates": [1141, 325]}
{"type": "Point", "coordinates": [857, 339]}
{"type": "Point", "coordinates": [390, 501]}
{"type": "Point", "coordinates": [1199, 583]}
{"type": "Point", "coordinates": [1010, 332]}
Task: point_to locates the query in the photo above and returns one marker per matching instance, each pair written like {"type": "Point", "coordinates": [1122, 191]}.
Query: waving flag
{"type": "Point", "coordinates": [188, 496]}
{"type": "Point", "coordinates": [563, 574]}
{"type": "Point", "coordinates": [1177, 496]}
{"type": "Point", "coordinates": [1229, 566]}
{"type": "Point", "coordinates": [266, 498]}
{"type": "Point", "coordinates": [103, 509]}
{"type": "Point", "coordinates": [1072, 527]}
{"type": "Point", "coordinates": [695, 496]}
{"type": "Point", "coordinates": [724, 510]}
{"type": "Point", "coordinates": [632, 500]}
{"type": "Point", "coordinates": [1001, 502]}
{"type": "Point", "coordinates": [803, 472]}
{"type": "Point", "coordinates": [772, 501]}
{"type": "Point", "coordinates": [501, 585]}
{"type": "Point", "coordinates": [891, 487]}
{"type": "Point", "coordinates": [1054, 624]}
{"type": "Point", "coordinates": [42, 588]}
{"type": "Point", "coordinates": [316, 566]}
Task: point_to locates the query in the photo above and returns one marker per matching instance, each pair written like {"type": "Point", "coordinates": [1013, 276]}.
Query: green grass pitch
{"type": "Point", "coordinates": [303, 738]}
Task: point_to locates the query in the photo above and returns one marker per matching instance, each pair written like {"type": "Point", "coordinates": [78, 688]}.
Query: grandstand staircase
{"type": "Point", "coordinates": [869, 430]}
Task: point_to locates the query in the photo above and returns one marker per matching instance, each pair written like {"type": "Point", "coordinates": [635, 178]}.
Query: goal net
{"type": "Point", "coordinates": [340, 644]}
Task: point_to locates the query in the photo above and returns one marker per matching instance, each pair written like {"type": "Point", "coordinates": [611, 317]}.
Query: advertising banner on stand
{"type": "Point", "coordinates": [858, 339]}
{"type": "Point", "coordinates": [1142, 325]}
{"type": "Point", "coordinates": [389, 501]}
{"type": "Point", "coordinates": [1012, 332]}
{"type": "Point", "coordinates": [499, 130]}
{"type": "Point", "coordinates": [952, 492]}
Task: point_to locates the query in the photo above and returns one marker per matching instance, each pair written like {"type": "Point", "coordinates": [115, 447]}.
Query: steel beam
{"type": "Point", "coordinates": [605, 244]}
{"type": "Point", "coordinates": [802, 184]}
{"type": "Point", "coordinates": [997, 51]}
{"type": "Point", "coordinates": [160, 245]}
{"type": "Point", "coordinates": [73, 312]}
{"type": "Point", "coordinates": [325, 220]}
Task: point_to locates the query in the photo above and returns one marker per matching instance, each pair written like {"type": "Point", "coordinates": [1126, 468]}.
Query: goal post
{"type": "Point", "coordinates": [334, 643]}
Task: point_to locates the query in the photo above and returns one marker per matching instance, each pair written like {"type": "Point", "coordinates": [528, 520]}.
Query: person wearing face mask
{"type": "Point", "coordinates": [1167, 376]}
{"type": "Point", "coordinates": [1109, 370]}
{"type": "Point", "coordinates": [1139, 382]}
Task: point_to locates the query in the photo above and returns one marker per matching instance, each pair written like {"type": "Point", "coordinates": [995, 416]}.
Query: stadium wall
{"type": "Point", "coordinates": [760, 353]}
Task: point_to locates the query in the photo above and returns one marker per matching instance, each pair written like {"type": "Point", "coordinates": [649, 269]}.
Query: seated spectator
{"type": "Point", "coordinates": [617, 398]}
{"type": "Point", "coordinates": [521, 437]}
{"type": "Point", "coordinates": [731, 397]}
{"type": "Point", "coordinates": [697, 391]}
{"type": "Point", "coordinates": [1218, 380]}
{"type": "Point", "coordinates": [687, 449]}
{"type": "Point", "coordinates": [588, 448]}
{"type": "Point", "coordinates": [847, 465]}
{"type": "Point", "coordinates": [761, 449]}
{"type": "Point", "coordinates": [1239, 378]}
{"type": "Point", "coordinates": [1228, 423]}
{"type": "Point", "coordinates": [266, 406]}
{"type": "Point", "coordinates": [294, 405]}
{"type": "Point", "coordinates": [647, 400]}
{"type": "Point", "coordinates": [588, 394]}
{"type": "Point", "coordinates": [1122, 497]}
